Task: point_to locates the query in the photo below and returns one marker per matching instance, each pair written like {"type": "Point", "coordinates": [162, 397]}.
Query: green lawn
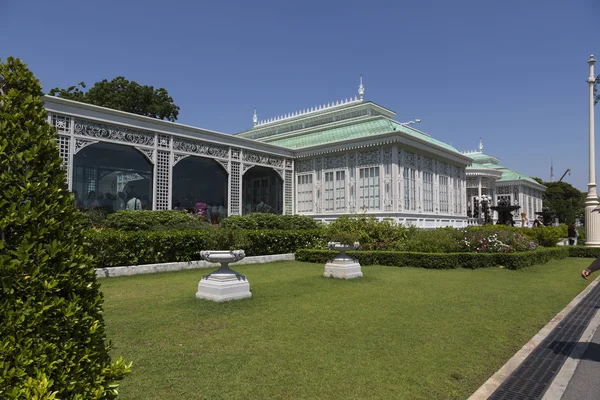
{"type": "Point", "coordinates": [396, 333]}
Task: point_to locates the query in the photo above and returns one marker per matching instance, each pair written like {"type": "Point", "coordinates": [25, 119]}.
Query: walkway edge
{"type": "Point", "coordinates": [490, 386]}
{"type": "Point", "coordinates": [178, 266]}
{"type": "Point", "coordinates": [558, 386]}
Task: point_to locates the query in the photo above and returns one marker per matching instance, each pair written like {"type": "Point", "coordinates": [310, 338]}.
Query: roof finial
{"type": "Point", "coordinates": [480, 145]}
{"type": "Point", "coordinates": [361, 89]}
{"type": "Point", "coordinates": [255, 118]}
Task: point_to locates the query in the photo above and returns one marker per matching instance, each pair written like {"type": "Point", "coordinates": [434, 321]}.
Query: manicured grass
{"type": "Point", "coordinates": [396, 333]}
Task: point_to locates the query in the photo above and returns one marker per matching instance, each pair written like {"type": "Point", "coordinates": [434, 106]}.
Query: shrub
{"type": "Point", "coordinates": [346, 238]}
{"type": "Point", "coordinates": [546, 236]}
{"type": "Point", "coordinates": [52, 337]}
{"type": "Point", "coordinates": [371, 234]}
{"type": "Point", "coordinates": [113, 248]}
{"type": "Point", "coordinates": [438, 260]}
{"type": "Point", "coordinates": [94, 218]}
{"type": "Point", "coordinates": [270, 221]}
{"type": "Point", "coordinates": [441, 240]}
{"type": "Point", "coordinates": [503, 241]}
{"type": "Point", "coordinates": [586, 252]}
{"type": "Point", "coordinates": [145, 220]}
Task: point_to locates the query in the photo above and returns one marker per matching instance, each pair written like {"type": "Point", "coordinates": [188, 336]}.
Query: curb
{"type": "Point", "coordinates": [490, 386]}
{"type": "Point", "coordinates": [111, 272]}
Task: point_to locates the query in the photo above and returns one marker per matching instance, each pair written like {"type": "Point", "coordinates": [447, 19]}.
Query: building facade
{"type": "Point", "coordinates": [342, 158]}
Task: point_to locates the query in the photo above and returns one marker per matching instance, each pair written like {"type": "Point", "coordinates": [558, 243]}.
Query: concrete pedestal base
{"type": "Point", "coordinates": [223, 287]}
{"type": "Point", "coordinates": [342, 269]}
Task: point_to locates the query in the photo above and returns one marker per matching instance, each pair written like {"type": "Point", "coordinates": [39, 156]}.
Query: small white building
{"type": "Point", "coordinates": [487, 179]}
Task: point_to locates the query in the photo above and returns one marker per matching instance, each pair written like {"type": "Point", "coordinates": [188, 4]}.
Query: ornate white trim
{"type": "Point", "coordinates": [149, 153]}
{"type": "Point", "coordinates": [305, 165]}
{"type": "Point", "coordinates": [372, 157]}
{"type": "Point", "coordinates": [113, 132]}
{"type": "Point", "coordinates": [263, 159]}
{"type": "Point", "coordinates": [178, 157]}
{"type": "Point", "coordinates": [225, 164]}
{"type": "Point", "coordinates": [81, 143]}
{"type": "Point", "coordinates": [246, 167]}
{"type": "Point", "coordinates": [335, 162]}
{"type": "Point", "coordinates": [201, 148]}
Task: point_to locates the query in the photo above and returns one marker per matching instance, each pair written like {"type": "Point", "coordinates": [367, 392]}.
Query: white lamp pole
{"type": "Point", "coordinates": [592, 218]}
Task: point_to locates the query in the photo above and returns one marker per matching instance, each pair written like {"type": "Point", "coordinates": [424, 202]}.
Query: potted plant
{"type": "Point", "coordinates": [342, 266]}
{"type": "Point", "coordinates": [343, 242]}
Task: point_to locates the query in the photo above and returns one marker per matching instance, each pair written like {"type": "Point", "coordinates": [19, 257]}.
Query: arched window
{"type": "Point", "coordinates": [112, 177]}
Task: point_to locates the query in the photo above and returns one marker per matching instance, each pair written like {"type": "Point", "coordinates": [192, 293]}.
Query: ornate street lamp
{"type": "Point", "coordinates": [592, 219]}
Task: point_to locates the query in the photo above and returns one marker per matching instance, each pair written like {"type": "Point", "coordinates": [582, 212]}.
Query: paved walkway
{"type": "Point", "coordinates": [562, 362]}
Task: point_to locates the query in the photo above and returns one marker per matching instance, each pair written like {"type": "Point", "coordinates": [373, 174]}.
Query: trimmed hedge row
{"type": "Point", "coordinates": [440, 261]}
{"type": "Point", "coordinates": [113, 248]}
{"type": "Point", "coordinates": [586, 252]}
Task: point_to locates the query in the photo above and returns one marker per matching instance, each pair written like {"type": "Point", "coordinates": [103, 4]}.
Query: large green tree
{"type": "Point", "coordinates": [52, 338]}
{"type": "Point", "coordinates": [564, 200]}
{"type": "Point", "coordinates": [124, 95]}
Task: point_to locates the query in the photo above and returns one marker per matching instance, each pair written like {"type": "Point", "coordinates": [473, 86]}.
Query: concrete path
{"type": "Point", "coordinates": [562, 362]}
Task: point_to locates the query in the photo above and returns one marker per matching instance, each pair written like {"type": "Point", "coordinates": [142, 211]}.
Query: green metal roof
{"type": "Point", "coordinates": [371, 127]}
{"type": "Point", "coordinates": [482, 166]}
{"type": "Point", "coordinates": [511, 175]}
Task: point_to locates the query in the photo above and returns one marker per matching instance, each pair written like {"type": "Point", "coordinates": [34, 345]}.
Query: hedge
{"type": "Point", "coordinates": [439, 261]}
{"type": "Point", "coordinates": [586, 252]}
{"type": "Point", "coordinates": [112, 248]}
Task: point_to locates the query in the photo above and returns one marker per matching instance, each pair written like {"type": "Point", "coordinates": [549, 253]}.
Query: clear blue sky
{"type": "Point", "coordinates": [512, 72]}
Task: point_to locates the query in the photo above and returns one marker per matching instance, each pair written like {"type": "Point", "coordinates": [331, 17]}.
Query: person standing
{"type": "Point", "coordinates": [134, 203]}
{"type": "Point", "coordinates": [572, 234]}
{"type": "Point", "coordinates": [524, 220]}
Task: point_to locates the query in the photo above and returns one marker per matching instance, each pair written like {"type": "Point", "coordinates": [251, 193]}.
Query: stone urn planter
{"type": "Point", "coordinates": [224, 284]}
{"type": "Point", "coordinates": [342, 266]}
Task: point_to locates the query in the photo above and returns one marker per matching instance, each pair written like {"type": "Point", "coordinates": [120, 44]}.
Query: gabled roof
{"type": "Point", "coordinates": [485, 161]}
{"type": "Point", "coordinates": [355, 129]}
{"type": "Point", "coordinates": [512, 175]}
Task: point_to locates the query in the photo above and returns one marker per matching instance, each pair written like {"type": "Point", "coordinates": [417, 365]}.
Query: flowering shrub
{"type": "Point", "coordinates": [499, 242]}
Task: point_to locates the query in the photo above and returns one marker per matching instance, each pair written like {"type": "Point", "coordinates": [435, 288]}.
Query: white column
{"type": "Point", "coordinates": [592, 218]}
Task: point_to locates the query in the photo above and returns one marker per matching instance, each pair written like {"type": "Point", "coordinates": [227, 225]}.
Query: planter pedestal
{"type": "Point", "coordinates": [342, 266]}
{"type": "Point", "coordinates": [224, 284]}
{"type": "Point", "coordinates": [223, 287]}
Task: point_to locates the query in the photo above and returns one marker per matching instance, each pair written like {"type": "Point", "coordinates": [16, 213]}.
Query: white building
{"type": "Point", "coordinates": [341, 158]}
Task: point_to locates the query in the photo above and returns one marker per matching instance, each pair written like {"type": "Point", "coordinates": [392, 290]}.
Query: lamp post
{"type": "Point", "coordinates": [592, 218]}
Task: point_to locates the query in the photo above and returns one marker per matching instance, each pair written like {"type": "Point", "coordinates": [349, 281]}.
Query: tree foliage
{"type": "Point", "coordinates": [124, 95]}
{"type": "Point", "coordinates": [52, 339]}
{"type": "Point", "coordinates": [564, 200]}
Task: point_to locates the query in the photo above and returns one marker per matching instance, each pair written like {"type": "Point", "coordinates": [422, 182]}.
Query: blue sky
{"type": "Point", "coordinates": [512, 72]}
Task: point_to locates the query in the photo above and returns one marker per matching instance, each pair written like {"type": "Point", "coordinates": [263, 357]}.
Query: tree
{"type": "Point", "coordinates": [52, 337]}
{"type": "Point", "coordinates": [564, 200]}
{"type": "Point", "coordinates": [121, 94]}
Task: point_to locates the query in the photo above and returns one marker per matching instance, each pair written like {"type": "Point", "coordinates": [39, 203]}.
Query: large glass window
{"type": "Point", "coordinates": [112, 177]}
{"type": "Point", "coordinates": [443, 194]}
{"type": "Point", "coordinates": [427, 192]}
{"type": "Point", "coordinates": [335, 191]}
{"type": "Point", "coordinates": [200, 186]}
{"type": "Point", "coordinates": [458, 196]}
{"type": "Point", "coordinates": [262, 191]}
{"type": "Point", "coordinates": [410, 192]}
{"type": "Point", "coordinates": [368, 188]}
{"type": "Point", "coordinates": [329, 191]}
{"type": "Point", "coordinates": [305, 193]}
{"type": "Point", "coordinates": [340, 190]}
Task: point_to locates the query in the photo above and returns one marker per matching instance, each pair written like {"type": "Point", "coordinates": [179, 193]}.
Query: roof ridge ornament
{"type": "Point", "coordinates": [361, 89]}
{"type": "Point", "coordinates": [480, 145]}
{"type": "Point", "coordinates": [255, 118]}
